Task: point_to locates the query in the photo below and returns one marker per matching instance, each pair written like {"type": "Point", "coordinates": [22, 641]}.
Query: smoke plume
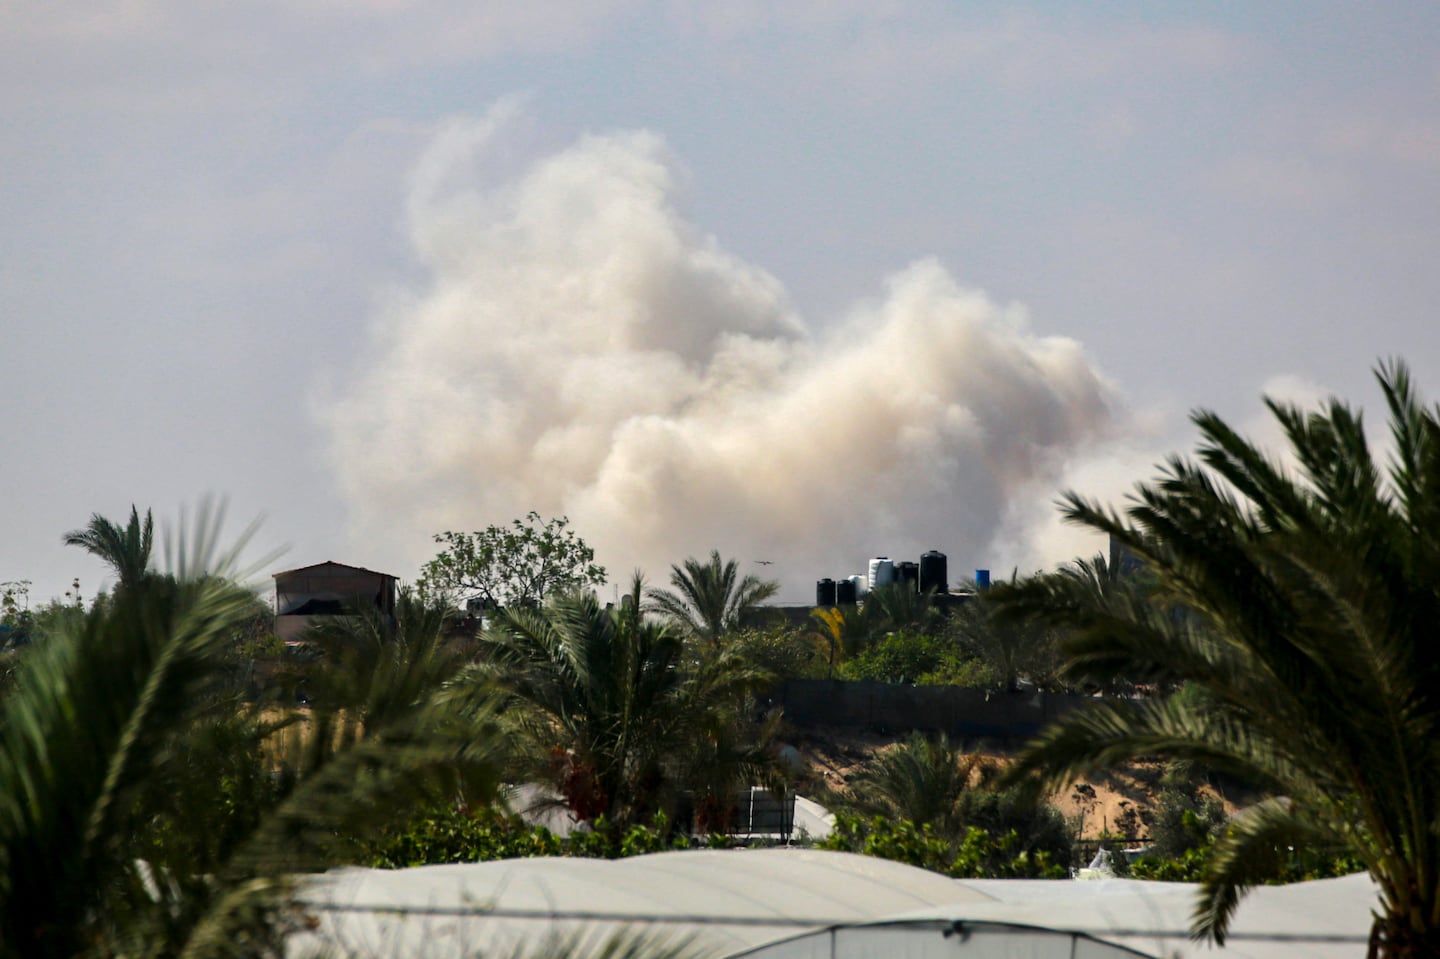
{"type": "Point", "coordinates": [580, 348]}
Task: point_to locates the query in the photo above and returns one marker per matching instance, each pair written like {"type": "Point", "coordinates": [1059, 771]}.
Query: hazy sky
{"type": "Point", "coordinates": [804, 281]}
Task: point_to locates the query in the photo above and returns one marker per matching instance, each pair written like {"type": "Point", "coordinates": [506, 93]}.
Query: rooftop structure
{"type": "Point", "coordinates": [806, 904]}
{"type": "Point", "coordinates": [327, 589]}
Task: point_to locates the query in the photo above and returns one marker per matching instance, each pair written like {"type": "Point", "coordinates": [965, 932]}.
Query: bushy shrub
{"type": "Point", "coordinates": [454, 833]}
{"type": "Point", "coordinates": [1189, 866]}
{"type": "Point", "coordinates": [782, 651]}
{"type": "Point", "coordinates": [920, 658]}
{"type": "Point", "coordinates": [977, 854]}
{"type": "Point", "coordinates": [1038, 827]}
{"type": "Point", "coordinates": [1184, 818]}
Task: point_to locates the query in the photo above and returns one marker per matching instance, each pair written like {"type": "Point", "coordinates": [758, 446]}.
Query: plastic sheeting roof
{"type": "Point", "coordinates": [1325, 919]}
{"type": "Point", "coordinates": [805, 904]}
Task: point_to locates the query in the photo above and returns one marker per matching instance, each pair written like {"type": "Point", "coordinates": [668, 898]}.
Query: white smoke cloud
{"type": "Point", "coordinates": [582, 349]}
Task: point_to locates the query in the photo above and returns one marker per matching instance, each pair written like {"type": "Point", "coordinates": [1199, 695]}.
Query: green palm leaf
{"type": "Point", "coordinates": [708, 597]}
{"type": "Point", "coordinates": [1305, 606]}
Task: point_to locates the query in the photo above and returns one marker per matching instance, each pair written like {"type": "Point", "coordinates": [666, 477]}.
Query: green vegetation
{"type": "Point", "coordinates": [1280, 633]}
{"type": "Point", "coordinates": [900, 636]}
{"type": "Point", "coordinates": [599, 707]}
{"type": "Point", "coordinates": [929, 803]}
{"type": "Point", "coordinates": [1007, 649]}
{"type": "Point", "coordinates": [782, 651]}
{"type": "Point", "coordinates": [709, 597]}
{"type": "Point", "coordinates": [126, 550]}
{"type": "Point", "coordinates": [522, 564]}
{"type": "Point", "coordinates": [455, 833]}
{"type": "Point", "coordinates": [916, 658]}
{"type": "Point", "coordinates": [922, 779]}
{"type": "Point", "coordinates": [145, 810]}
{"type": "Point", "coordinates": [975, 854]}
{"type": "Point", "coordinates": [1301, 604]}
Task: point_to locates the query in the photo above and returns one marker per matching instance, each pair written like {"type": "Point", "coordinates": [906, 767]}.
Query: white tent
{"type": "Point", "coordinates": [799, 904]}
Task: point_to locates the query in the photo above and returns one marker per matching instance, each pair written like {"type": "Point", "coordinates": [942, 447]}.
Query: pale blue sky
{"type": "Point", "coordinates": [205, 209]}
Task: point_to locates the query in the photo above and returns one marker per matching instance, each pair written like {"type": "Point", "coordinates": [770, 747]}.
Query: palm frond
{"type": "Point", "coordinates": [709, 597]}
{"type": "Point", "coordinates": [1302, 605]}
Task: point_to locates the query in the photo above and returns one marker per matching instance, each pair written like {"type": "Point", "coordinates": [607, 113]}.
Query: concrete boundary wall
{"type": "Point", "coordinates": [882, 707]}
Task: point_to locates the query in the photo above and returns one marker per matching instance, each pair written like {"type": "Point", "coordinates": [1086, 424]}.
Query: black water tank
{"type": "Point", "coordinates": [825, 592]}
{"type": "Point", "coordinates": [845, 592]}
{"type": "Point", "coordinates": [933, 574]}
{"type": "Point", "coordinates": [908, 572]}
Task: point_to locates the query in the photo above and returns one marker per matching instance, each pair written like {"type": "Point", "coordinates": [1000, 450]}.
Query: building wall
{"type": "Point", "coordinates": [327, 589]}
{"type": "Point", "coordinates": [890, 708]}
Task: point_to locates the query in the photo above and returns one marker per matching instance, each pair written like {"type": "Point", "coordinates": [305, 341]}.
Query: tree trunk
{"type": "Point", "coordinates": [1393, 938]}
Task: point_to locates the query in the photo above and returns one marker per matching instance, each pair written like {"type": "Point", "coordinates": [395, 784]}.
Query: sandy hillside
{"type": "Point", "coordinates": [1117, 802]}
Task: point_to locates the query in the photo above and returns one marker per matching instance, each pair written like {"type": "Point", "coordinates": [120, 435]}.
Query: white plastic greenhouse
{"type": "Point", "coordinates": [802, 904]}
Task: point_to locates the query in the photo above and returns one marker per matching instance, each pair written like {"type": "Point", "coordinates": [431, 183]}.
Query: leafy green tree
{"type": "Point", "coordinates": [855, 631]}
{"type": "Point", "coordinates": [781, 650]}
{"type": "Point", "coordinates": [610, 717]}
{"type": "Point", "coordinates": [94, 715]}
{"type": "Point", "coordinates": [967, 826]}
{"type": "Point", "coordinates": [126, 550]}
{"type": "Point", "coordinates": [1121, 585]}
{"type": "Point", "coordinates": [909, 657]}
{"type": "Point", "coordinates": [517, 565]}
{"type": "Point", "coordinates": [1184, 818]}
{"type": "Point", "coordinates": [708, 597]}
{"type": "Point", "coordinates": [1310, 598]}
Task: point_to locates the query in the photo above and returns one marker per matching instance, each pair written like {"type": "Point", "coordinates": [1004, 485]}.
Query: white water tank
{"type": "Point", "coordinates": [882, 572]}
{"type": "Point", "coordinates": [859, 582]}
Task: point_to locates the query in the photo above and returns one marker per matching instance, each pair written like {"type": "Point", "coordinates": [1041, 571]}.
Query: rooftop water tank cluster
{"type": "Point", "coordinates": [930, 574]}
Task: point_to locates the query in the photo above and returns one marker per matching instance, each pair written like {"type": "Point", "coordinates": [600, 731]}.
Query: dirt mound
{"type": "Point", "coordinates": [1118, 802]}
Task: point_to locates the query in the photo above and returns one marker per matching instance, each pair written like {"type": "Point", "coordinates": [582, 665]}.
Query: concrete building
{"type": "Point", "coordinates": [327, 589]}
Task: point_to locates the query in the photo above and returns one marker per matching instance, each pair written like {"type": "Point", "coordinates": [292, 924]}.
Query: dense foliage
{"type": "Point", "coordinates": [610, 709]}
{"type": "Point", "coordinates": [949, 798]}
{"type": "Point", "coordinates": [1303, 605]}
{"type": "Point", "coordinates": [517, 565]}
{"type": "Point", "coordinates": [974, 854]}
{"type": "Point", "coordinates": [911, 657]}
{"type": "Point", "coordinates": [706, 599]}
{"type": "Point", "coordinates": [453, 833]}
{"type": "Point", "coordinates": [126, 549]}
{"type": "Point", "coordinates": [145, 810]}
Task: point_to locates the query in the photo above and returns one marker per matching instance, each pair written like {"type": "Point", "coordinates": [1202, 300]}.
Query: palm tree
{"type": "Point", "coordinates": [138, 812]}
{"type": "Point", "coordinates": [1106, 581]}
{"type": "Point", "coordinates": [921, 779]}
{"type": "Point", "coordinates": [1012, 647]}
{"type": "Point", "coordinates": [611, 716]}
{"type": "Point", "coordinates": [126, 550]}
{"type": "Point", "coordinates": [379, 669]}
{"type": "Point", "coordinates": [709, 597]}
{"type": "Point", "coordinates": [1304, 609]}
{"type": "Point", "coordinates": [888, 609]}
{"type": "Point", "coordinates": [828, 630]}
